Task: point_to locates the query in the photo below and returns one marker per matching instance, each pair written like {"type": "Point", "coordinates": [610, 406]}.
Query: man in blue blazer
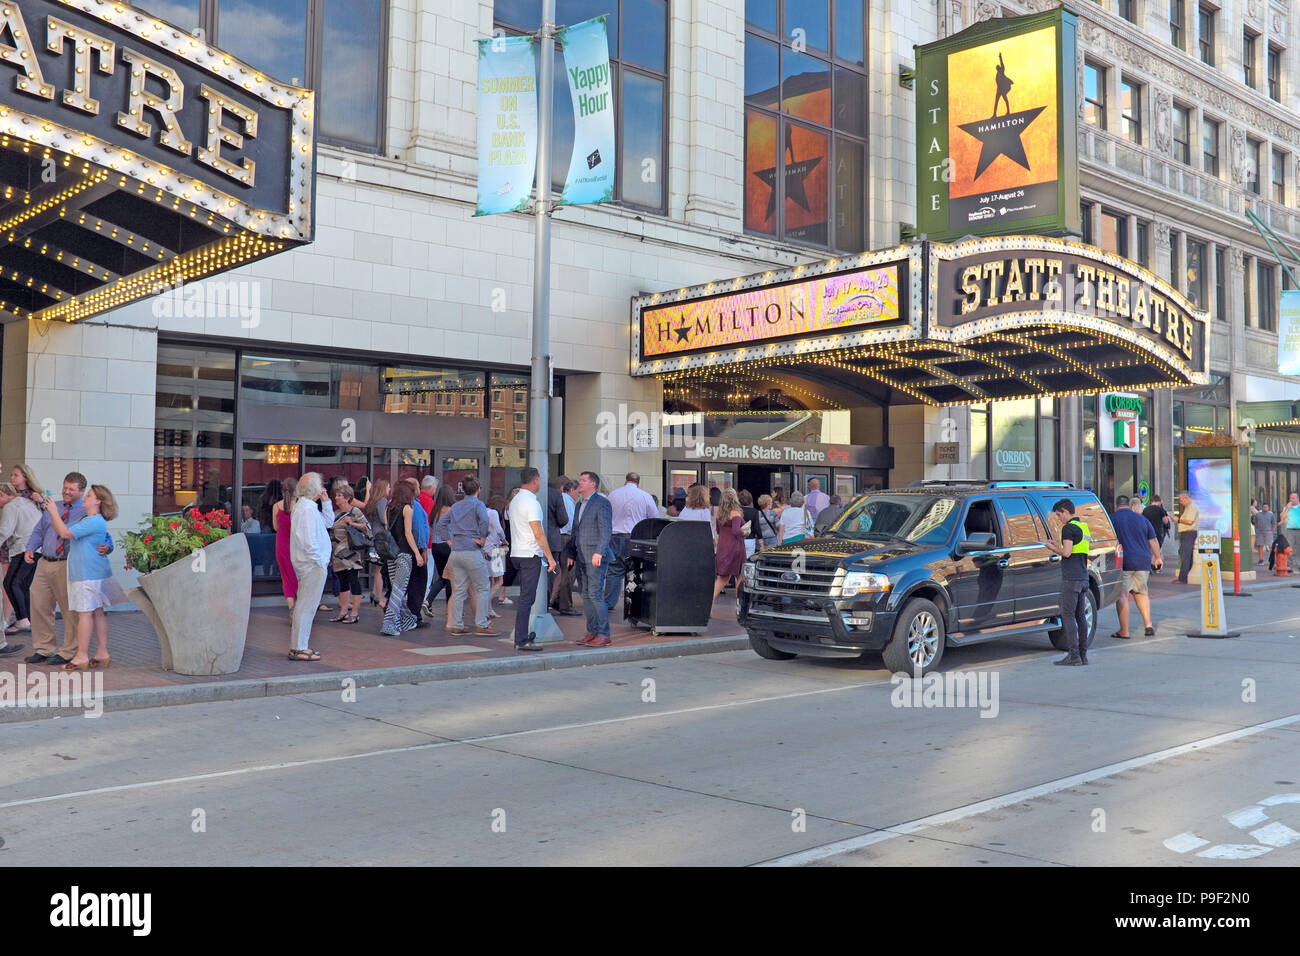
{"type": "Point", "coordinates": [590, 553]}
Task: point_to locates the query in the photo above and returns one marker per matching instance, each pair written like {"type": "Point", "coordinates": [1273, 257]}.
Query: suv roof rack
{"type": "Point", "coordinates": [941, 482]}
{"type": "Point", "coordinates": [1031, 484]}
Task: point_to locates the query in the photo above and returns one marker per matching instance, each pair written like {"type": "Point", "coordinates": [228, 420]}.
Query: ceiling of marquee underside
{"type": "Point", "coordinates": [1007, 365]}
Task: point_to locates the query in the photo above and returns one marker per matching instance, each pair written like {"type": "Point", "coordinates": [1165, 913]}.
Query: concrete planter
{"type": "Point", "coordinates": [201, 613]}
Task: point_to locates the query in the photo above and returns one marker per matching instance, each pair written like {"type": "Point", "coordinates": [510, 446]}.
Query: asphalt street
{"type": "Point", "coordinates": [1164, 751]}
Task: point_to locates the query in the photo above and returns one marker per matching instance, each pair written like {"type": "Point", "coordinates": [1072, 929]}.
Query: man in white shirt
{"type": "Point", "coordinates": [630, 505]}
{"type": "Point", "coordinates": [528, 546]}
{"type": "Point", "coordinates": [815, 500]}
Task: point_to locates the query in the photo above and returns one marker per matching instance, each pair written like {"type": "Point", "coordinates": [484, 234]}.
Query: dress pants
{"type": "Point", "coordinates": [527, 571]}
{"type": "Point", "coordinates": [1074, 616]}
{"type": "Point", "coordinates": [415, 588]}
{"type": "Point", "coordinates": [469, 569]}
{"type": "Point", "coordinates": [18, 585]}
{"type": "Point", "coordinates": [592, 584]}
{"type": "Point", "coordinates": [311, 585]}
{"type": "Point", "coordinates": [50, 587]}
{"type": "Point", "coordinates": [562, 580]}
{"type": "Point", "coordinates": [1186, 553]}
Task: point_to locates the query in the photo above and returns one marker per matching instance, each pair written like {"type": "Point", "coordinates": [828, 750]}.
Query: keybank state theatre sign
{"type": "Point", "coordinates": [128, 103]}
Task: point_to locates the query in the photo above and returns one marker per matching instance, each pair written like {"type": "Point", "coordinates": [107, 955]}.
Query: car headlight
{"type": "Point", "coordinates": [748, 572]}
{"type": "Point", "coordinates": [864, 582]}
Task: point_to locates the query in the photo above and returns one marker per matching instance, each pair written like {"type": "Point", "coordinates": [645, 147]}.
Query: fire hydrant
{"type": "Point", "coordinates": [1280, 562]}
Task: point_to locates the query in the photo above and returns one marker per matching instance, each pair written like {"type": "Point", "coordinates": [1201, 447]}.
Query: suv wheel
{"type": "Point", "coordinates": [1090, 612]}
{"type": "Point", "coordinates": [918, 641]}
{"type": "Point", "coordinates": [765, 650]}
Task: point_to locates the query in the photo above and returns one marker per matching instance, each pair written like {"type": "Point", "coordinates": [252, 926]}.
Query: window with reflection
{"type": "Point", "coordinates": [336, 47]}
{"type": "Point", "coordinates": [194, 429]}
{"type": "Point", "coordinates": [423, 391]}
{"type": "Point", "coordinates": [806, 122]}
{"type": "Point", "coordinates": [1015, 440]}
{"type": "Point", "coordinates": [307, 383]}
{"type": "Point", "coordinates": [638, 59]}
{"type": "Point", "coordinates": [1194, 274]}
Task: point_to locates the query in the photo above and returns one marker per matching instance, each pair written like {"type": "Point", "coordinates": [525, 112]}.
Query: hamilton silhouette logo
{"type": "Point", "coordinates": [1000, 135]}
{"type": "Point", "coordinates": [796, 171]}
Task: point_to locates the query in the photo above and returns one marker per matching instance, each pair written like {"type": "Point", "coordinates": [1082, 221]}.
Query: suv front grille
{"type": "Point", "coordinates": [812, 581]}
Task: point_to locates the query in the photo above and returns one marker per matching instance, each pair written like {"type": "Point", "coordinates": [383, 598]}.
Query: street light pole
{"type": "Point", "coordinates": [539, 390]}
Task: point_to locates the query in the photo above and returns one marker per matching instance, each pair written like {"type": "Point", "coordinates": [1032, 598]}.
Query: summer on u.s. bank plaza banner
{"type": "Point", "coordinates": [1288, 333]}
{"type": "Point", "coordinates": [507, 123]}
{"type": "Point", "coordinates": [586, 60]}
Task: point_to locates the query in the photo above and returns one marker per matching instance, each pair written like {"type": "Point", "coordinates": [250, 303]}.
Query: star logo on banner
{"type": "Point", "coordinates": [795, 174]}
{"type": "Point", "coordinates": [1001, 137]}
{"type": "Point", "coordinates": [683, 331]}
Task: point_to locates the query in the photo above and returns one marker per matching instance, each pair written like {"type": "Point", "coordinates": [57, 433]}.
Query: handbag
{"type": "Point", "coordinates": [384, 545]}
{"type": "Point", "coordinates": [358, 538]}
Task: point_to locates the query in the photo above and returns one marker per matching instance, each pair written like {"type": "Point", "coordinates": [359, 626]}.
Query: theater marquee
{"type": "Point", "coordinates": [137, 156]}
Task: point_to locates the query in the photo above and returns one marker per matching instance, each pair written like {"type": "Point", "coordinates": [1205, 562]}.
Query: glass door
{"type": "Point", "coordinates": [456, 467]}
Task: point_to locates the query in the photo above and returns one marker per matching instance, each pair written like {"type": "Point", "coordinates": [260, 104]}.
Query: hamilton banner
{"type": "Point", "coordinates": [586, 61]}
{"type": "Point", "coordinates": [507, 123]}
{"type": "Point", "coordinates": [1288, 334]}
{"type": "Point", "coordinates": [996, 119]}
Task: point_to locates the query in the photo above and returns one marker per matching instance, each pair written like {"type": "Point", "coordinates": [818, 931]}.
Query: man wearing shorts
{"type": "Point", "coordinates": [1141, 547]}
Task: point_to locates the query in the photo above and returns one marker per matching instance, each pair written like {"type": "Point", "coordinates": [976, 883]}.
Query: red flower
{"type": "Point", "coordinates": [174, 525]}
{"type": "Point", "coordinates": [148, 538]}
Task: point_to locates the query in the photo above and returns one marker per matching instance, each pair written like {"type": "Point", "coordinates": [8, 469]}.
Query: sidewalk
{"type": "Point", "coordinates": [136, 678]}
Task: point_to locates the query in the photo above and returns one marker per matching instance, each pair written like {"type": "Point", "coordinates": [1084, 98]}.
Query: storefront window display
{"type": "Point", "coordinates": [1015, 440]}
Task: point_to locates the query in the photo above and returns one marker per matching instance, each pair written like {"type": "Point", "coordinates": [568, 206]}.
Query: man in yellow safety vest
{"type": "Point", "coordinates": [1076, 542]}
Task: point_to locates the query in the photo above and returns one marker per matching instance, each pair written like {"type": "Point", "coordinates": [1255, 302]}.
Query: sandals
{"type": "Point", "coordinates": [304, 655]}
{"type": "Point", "coordinates": [350, 619]}
{"type": "Point", "coordinates": [1122, 637]}
{"type": "Point", "coordinates": [341, 619]}
{"type": "Point", "coordinates": [101, 663]}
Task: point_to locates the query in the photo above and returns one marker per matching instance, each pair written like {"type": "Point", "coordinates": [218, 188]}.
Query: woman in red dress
{"type": "Point", "coordinates": [731, 540]}
{"type": "Point", "coordinates": [280, 515]}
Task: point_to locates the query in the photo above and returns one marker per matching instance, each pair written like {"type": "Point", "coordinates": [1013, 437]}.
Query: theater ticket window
{"type": "Point", "coordinates": [805, 122]}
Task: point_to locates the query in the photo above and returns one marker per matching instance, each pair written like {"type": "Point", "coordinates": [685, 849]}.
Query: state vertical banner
{"type": "Point", "coordinates": [507, 123]}
{"type": "Point", "coordinates": [586, 60]}
{"type": "Point", "coordinates": [1288, 333]}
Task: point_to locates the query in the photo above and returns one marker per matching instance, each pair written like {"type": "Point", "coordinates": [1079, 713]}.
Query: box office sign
{"type": "Point", "coordinates": [162, 107]}
{"type": "Point", "coordinates": [1119, 420]}
{"type": "Point", "coordinates": [983, 284]}
{"type": "Point", "coordinates": [826, 304]}
{"type": "Point", "coordinates": [1011, 168]}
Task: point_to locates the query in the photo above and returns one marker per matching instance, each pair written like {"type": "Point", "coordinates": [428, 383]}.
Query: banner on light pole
{"type": "Point", "coordinates": [507, 123]}
{"type": "Point", "coordinates": [586, 61]}
{"type": "Point", "coordinates": [1288, 333]}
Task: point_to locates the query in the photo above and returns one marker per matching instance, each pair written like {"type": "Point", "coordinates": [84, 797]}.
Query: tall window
{"type": "Point", "coordinates": [1085, 221]}
{"type": "Point", "coordinates": [1114, 233]}
{"type": "Point", "coordinates": [194, 428]}
{"type": "Point", "coordinates": [1194, 274]}
{"type": "Point", "coordinates": [1205, 34]}
{"type": "Point", "coordinates": [1210, 145]}
{"type": "Point", "coordinates": [806, 105]}
{"type": "Point", "coordinates": [1142, 252]}
{"type": "Point", "coordinates": [1248, 57]}
{"type": "Point", "coordinates": [1220, 284]}
{"type": "Point", "coordinates": [1253, 147]}
{"type": "Point", "coordinates": [337, 47]}
{"type": "Point", "coordinates": [1094, 95]}
{"type": "Point", "coordinates": [1130, 110]}
{"type": "Point", "coordinates": [1177, 23]}
{"type": "Point", "coordinates": [638, 59]}
{"type": "Point", "coordinates": [1030, 426]}
{"type": "Point", "coordinates": [1128, 10]}
{"type": "Point", "coordinates": [1274, 73]}
{"type": "Point", "coordinates": [1174, 264]}
{"type": "Point", "coordinates": [1267, 297]}
{"type": "Point", "coordinates": [1279, 176]}
{"type": "Point", "coordinates": [1182, 135]}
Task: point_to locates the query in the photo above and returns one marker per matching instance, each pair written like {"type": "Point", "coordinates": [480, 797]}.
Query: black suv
{"type": "Point", "coordinates": [911, 571]}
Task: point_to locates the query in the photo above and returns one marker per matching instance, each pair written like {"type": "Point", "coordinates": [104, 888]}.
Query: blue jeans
{"type": "Point", "coordinates": [593, 598]}
{"type": "Point", "coordinates": [617, 570]}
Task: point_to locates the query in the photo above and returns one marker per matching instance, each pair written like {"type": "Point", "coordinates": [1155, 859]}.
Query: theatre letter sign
{"type": "Point", "coordinates": [995, 118]}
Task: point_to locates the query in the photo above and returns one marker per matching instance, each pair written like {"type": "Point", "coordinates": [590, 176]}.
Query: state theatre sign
{"type": "Point", "coordinates": [976, 321]}
{"type": "Point", "coordinates": [134, 156]}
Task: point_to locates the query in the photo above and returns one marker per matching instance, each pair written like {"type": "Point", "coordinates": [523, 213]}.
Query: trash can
{"type": "Point", "coordinates": [670, 574]}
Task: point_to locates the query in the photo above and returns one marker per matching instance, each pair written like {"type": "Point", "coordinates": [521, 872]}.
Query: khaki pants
{"type": "Point", "coordinates": [50, 587]}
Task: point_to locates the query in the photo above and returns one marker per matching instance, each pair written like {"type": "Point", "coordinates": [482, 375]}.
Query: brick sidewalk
{"type": "Point", "coordinates": [137, 661]}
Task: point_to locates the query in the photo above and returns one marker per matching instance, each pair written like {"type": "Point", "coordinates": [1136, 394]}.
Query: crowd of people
{"type": "Point", "coordinates": [55, 551]}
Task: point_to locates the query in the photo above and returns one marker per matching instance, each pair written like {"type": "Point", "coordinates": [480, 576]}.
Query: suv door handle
{"type": "Point", "coordinates": [1055, 557]}
{"type": "Point", "coordinates": [1004, 563]}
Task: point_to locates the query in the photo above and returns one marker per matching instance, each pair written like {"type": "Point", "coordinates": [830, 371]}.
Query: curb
{"type": "Point", "coordinates": [139, 698]}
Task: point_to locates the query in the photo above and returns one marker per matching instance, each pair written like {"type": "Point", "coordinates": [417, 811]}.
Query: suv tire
{"type": "Point", "coordinates": [918, 631]}
{"type": "Point", "coordinates": [1058, 636]}
{"type": "Point", "coordinates": [766, 651]}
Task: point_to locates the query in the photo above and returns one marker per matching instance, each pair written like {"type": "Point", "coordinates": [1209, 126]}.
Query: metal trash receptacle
{"type": "Point", "coordinates": [670, 574]}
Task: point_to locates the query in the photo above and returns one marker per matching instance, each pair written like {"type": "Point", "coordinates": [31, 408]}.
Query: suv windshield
{"type": "Point", "coordinates": [923, 519]}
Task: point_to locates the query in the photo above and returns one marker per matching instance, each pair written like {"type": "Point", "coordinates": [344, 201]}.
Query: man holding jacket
{"type": "Point", "coordinates": [590, 552]}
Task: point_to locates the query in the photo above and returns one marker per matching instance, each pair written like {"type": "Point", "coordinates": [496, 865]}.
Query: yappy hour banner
{"type": "Point", "coordinates": [586, 61]}
{"type": "Point", "coordinates": [507, 124]}
{"type": "Point", "coordinates": [829, 304]}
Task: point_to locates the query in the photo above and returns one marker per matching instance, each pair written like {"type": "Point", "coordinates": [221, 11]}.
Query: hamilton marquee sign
{"type": "Point", "coordinates": [995, 117]}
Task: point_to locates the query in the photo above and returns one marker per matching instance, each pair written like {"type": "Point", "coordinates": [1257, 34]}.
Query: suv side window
{"type": "Point", "coordinates": [1021, 528]}
{"type": "Point", "coordinates": [982, 519]}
